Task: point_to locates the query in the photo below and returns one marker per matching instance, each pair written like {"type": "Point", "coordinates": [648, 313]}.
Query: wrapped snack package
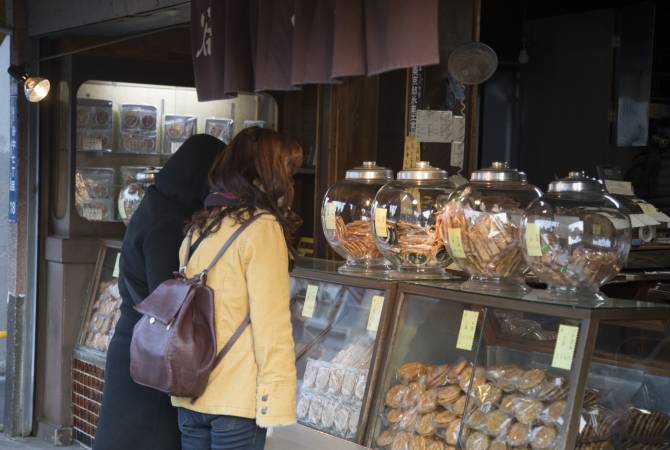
{"type": "Point", "coordinates": [395, 396]}
{"type": "Point", "coordinates": [385, 438]}
{"type": "Point", "coordinates": [328, 414]}
{"type": "Point", "coordinates": [335, 380]}
{"type": "Point", "coordinates": [303, 406]}
{"type": "Point", "coordinates": [497, 423]}
{"type": "Point", "coordinates": [309, 377]}
{"type": "Point", "coordinates": [518, 435]}
{"type": "Point", "coordinates": [412, 371]}
{"type": "Point", "coordinates": [426, 425]}
{"type": "Point", "coordinates": [651, 425]}
{"type": "Point", "coordinates": [349, 382]}
{"type": "Point", "coordinates": [437, 376]}
{"type": "Point", "coordinates": [341, 421]}
{"type": "Point", "coordinates": [553, 414]}
{"type": "Point", "coordinates": [427, 401]}
{"type": "Point", "coordinates": [527, 410]}
{"type": "Point", "coordinates": [361, 383]}
{"type": "Point", "coordinates": [477, 420]}
{"type": "Point", "coordinates": [322, 377]}
{"type": "Point", "coordinates": [487, 395]}
{"type": "Point", "coordinates": [599, 424]}
{"type": "Point", "coordinates": [413, 394]}
{"type": "Point", "coordinates": [315, 411]}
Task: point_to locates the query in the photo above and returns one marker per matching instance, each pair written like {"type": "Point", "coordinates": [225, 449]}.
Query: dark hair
{"type": "Point", "coordinates": [257, 167]}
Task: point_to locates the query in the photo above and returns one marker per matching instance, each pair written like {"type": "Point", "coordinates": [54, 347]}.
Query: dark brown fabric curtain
{"type": "Point", "coordinates": [259, 45]}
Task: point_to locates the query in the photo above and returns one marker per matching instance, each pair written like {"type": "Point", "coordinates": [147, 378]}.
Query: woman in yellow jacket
{"type": "Point", "coordinates": [254, 386]}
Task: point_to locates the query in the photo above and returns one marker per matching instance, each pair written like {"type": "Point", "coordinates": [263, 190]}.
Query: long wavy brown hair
{"type": "Point", "coordinates": [257, 167]}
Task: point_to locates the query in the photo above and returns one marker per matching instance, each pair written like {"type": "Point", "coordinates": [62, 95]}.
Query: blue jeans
{"type": "Point", "coordinates": [211, 432]}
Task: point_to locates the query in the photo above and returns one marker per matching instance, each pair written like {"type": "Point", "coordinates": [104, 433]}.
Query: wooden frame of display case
{"type": "Point", "coordinates": [329, 274]}
{"type": "Point", "coordinates": [589, 319]}
{"type": "Point", "coordinates": [82, 352]}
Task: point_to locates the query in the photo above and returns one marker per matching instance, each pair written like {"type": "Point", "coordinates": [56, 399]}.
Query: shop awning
{"type": "Point", "coordinates": [258, 45]}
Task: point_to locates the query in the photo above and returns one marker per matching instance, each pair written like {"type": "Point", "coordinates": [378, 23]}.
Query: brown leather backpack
{"type": "Point", "coordinates": [173, 348]}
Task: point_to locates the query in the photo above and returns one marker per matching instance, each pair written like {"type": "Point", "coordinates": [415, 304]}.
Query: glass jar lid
{"type": "Point", "coordinates": [369, 171]}
{"type": "Point", "coordinates": [499, 171]}
{"type": "Point", "coordinates": [423, 171]}
{"type": "Point", "coordinates": [147, 176]}
{"type": "Point", "coordinates": [576, 181]}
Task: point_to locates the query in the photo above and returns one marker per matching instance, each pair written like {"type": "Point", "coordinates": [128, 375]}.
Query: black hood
{"type": "Point", "coordinates": [184, 178]}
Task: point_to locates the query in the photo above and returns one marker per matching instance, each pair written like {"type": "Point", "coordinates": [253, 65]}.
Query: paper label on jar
{"type": "Point", "coordinates": [329, 215]}
{"type": "Point", "coordinates": [466, 335]}
{"type": "Point", "coordinates": [310, 301]}
{"type": "Point", "coordinates": [92, 213]}
{"type": "Point", "coordinates": [617, 187]}
{"type": "Point", "coordinates": [375, 313]}
{"type": "Point", "coordinates": [648, 208]}
{"type": "Point", "coordinates": [455, 242]}
{"type": "Point", "coordinates": [564, 350]}
{"type": "Point", "coordinates": [117, 266]}
{"type": "Point", "coordinates": [533, 245]}
{"type": "Point", "coordinates": [380, 222]}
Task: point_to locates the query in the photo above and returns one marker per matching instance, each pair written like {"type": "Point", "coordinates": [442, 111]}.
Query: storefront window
{"type": "Point", "coordinates": [124, 129]}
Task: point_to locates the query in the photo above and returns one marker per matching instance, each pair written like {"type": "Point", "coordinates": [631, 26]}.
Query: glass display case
{"type": "Point", "coordinates": [102, 310]}
{"type": "Point", "coordinates": [121, 125]}
{"type": "Point", "coordinates": [338, 326]}
{"type": "Point", "coordinates": [500, 371]}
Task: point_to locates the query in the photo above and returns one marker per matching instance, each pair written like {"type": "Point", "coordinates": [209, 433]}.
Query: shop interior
{"type": "Point", "coordinates": [392, 350]}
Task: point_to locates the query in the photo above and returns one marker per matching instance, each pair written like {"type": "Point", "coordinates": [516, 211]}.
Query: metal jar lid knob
{"type": "Point", "coordinates": [576, 181]}
{"type": "Point", "coordinates": [423, 171]}
{"type": "Point", "coordinates": [369, 171]}
{"type": "Point", "coordinates": [499, 171]}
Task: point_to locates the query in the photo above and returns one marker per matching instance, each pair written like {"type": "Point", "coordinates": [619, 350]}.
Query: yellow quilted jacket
{"type": "Point", "coordinates": [257, 378]}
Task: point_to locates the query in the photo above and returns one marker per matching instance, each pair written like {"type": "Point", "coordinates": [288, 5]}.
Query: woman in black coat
{"type": "Point", "coordinates": [135, 417]}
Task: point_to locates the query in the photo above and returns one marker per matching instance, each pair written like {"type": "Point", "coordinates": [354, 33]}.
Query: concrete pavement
{"type": "Point", "coordinates": [31, 444]}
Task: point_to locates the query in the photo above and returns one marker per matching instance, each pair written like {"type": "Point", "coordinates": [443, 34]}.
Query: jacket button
{"type": "Point", "coordinates": [264, 411]}
{"type": "Point", "coordinates": [264, 398]}
{"type": "Point", "coordinates": [152, 320]}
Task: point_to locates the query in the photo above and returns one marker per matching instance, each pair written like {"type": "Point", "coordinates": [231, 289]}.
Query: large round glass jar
{"type": "Point", "coordinates": [481, 226]}
{"type": "Point", "coordinates": [133, 191]}
{"type": "Point", "coordinates": [575, 238]}
{"type": "Point", "coordinates": [407, 214]}
{"type": "Point", "coordinates": [345, 217]}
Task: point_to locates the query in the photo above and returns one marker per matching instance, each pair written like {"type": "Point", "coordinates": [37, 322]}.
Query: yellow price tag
{"type": "Point", "coordinates": [380, 222]}
{"type": "Point", "coordinates": [597, 229]}
{"type": "Point", "coordinates": [117, 266]}
{"type": "Point", "coordinates": [375, 313]}
{"type": "Point", "coordinates": [310, 301]}
{"type": "Point", "coordinates": [466, 335]}
{"type": "Point", "coordinates": [647, 208]}
{"type": "Point", "coordinates": [329, 215]}
{"type": "Point", "coordinates": [455, 242]}
{"type": "Point", "coordinates": [533, 246]}
{"type": "Point", "coordinates": [565, 347]}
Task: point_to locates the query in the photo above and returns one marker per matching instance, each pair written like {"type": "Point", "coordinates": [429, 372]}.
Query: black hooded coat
{"type": "Point", "coordinates": [135, 417]}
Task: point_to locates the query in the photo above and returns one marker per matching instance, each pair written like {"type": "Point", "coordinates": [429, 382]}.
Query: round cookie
{"type": "Point", "coordinates": [394, 415]}
{"type": "Point", "coordinates": [411, 371]}
{"type": "Point", "coordinates": [554, 413]}
{"type": "Point", "coordinates": [543, 437]}
{"type": "Point", "coordinates": [444, 418]}
{"type": "Point", "coordinates": [497, 422]}
{"type": "Point", "coordinates": [455, 371]}
{"type": "Point", "coordinates": [412, 395]}
{"type": "Point", "coordinates": [427, 401]}
{"type": "Point", "coordinates": [477, 441]}
{"type": "Point", "coordinates": [527, 410]}
{"type": "Point", "coordinates": [447, 395]}
{"type": "Point", "coordinates": [385, 439]}
{"type": "Point", "coordinates": [395, 396]}
{"type": "Point", "coordinates": [530, 378]}
{"type": "Point", "coordinates": [437, 376]}
{"type": "Point", "coordinates": [518, 435]}
{"type": "Point", "coordinates": [507, 403]}
{"type": "Point", "coordinates": [426, 425]}
{"type": "Point", "coordinates": [477, 420]}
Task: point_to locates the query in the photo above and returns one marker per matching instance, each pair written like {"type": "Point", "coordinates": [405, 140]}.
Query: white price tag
{"type": "Point", "coordinates": [117, 266]}
{"type": "Point", "coordinates": [380, 222]}
{"type": "Point", "coordinates": [433, 126]}
{"type": "Point", "coordinates": [375, 313]}
{"type": "Point", "coordinates": [310, 301]}
{"type": "Point", "coordinates": [458, 128]}
{"type": "Point", "coordinates": [329, 215]}
{"type": "Point", "coordinates": [92, 213]}
{"type": "Point", "coordinates": [617, 187]}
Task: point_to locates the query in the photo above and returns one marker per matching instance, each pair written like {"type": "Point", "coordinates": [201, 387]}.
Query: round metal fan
{"type": "Point", "coordinates": [472, 63]}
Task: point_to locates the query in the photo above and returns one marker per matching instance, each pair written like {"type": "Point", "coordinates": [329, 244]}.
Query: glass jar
{"type": "Point", "coordinates": [407, 213]}
{"type": "Point", "coordinates": [132, 193]}
{"type": "Point", "coordinates": [481, 225]}
{"type": "Point", "coordinates": [575, 237]}
{"type": "Point", "coordinates": [345, 217]}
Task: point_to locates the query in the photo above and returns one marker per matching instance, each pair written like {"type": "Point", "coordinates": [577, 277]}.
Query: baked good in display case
{"type": "Point", "coordinates": [481, 224]}
{"type": "Point", "coordinates": [176, 129]}
{"type": "Point", "coordinates": [220, 127]}
{"type": "Point", "coordinates": [575, 238]}
{"type": "Point", "coordinates": [347, 220]}
{"type": "Point", "coordinates": [94, 125]}
{"type": "Point", "coordinates": [104, 314]}
{"type": "Point", "coordinates": [132, 193]}
{"type": "Point", "coordinates": [94, 193]}
{"type": "Point", "coordinates": [331, 392]}
{"type": "Point", "coordinates": [407, 221]}
{"type": "Point", "coordinates": [138, 129]}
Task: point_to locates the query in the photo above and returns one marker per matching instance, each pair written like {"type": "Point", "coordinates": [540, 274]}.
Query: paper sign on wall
{"type": "Point", "coordinates": [412, 153]}
{"type": "Point", "coordinates": [310, 301]}
{"type": "Point", "coordinates": [380, 222]}
{"type": "Point", "coordinates": [533, 246]}
{"type": "Point", "coordinates": [458, 128]}
{"type": "Point", "coordinates": [455, 242]}
{"type": "Point", "coordinates": [117, 266]}
{"type": "Point", "coordinates": [457, 154]}
{"type": "Point", "coordinates": [564, 350]}
{"type": "Point", "coordinates": [329, 213]}
{"type": "Point", "coordinates": [466, 335]}
{"type": "Point", "coordinates": [433, 126]}
{"type": "Point", "coordinates": [375, 313]}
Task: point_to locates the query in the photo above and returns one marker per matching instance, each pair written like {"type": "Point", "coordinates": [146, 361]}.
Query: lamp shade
{"type": "Point", "coordinates": [36, 88]}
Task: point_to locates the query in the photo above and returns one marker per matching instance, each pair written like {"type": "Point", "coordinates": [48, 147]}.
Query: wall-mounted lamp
{"type": "Point", "coordinates": [35, 88]}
